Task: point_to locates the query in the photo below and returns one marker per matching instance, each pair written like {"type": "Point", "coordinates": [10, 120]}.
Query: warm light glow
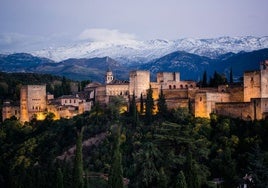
{"type": "Point", "coordinates": [123, 109]}
{"type": "Point", "coordinates": [40, 116]}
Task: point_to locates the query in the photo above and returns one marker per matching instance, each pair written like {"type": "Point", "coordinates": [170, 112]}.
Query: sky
{"type": "Point", "coordinates": [44, 23]}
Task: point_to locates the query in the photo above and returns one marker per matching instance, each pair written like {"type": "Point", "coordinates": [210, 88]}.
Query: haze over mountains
{"type": "Point", "coordinates": [190, 57]}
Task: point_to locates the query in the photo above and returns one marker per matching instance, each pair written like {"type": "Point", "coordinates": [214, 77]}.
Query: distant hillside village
{"type": "Point", "coordinates": [248, 101]}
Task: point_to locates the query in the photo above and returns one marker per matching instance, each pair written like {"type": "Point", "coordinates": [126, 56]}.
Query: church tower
{"type": "Point", "coordinates": [109, 76]}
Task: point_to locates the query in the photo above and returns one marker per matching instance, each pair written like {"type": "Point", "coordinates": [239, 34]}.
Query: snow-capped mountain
{"type": "Point", "coordinates": [131, 51]}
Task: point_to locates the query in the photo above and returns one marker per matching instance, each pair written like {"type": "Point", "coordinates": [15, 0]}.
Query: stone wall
{"type": "Point", "coordinates": [205, 102]}
{"type": "Point", "coordinates": [163, 77]}
{"type": "Point", "coordinates": [252, 85]}
{"type": "Point", "coordinates": [235, 110]}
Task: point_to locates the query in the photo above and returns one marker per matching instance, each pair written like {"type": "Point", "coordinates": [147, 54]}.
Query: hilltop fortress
{"type": "Point", "coordinates": [248, 101]}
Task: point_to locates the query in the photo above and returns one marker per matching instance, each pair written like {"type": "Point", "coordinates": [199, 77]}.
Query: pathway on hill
{"type": "Point", "coordinates": [96, 140]}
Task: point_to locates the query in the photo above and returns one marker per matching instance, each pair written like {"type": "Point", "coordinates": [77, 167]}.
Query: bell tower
{"type": "Point", "coordinates": [109, 76]}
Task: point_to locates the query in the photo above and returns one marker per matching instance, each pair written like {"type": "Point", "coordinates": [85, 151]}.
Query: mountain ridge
{"type": "Point", "coordinates": [190, 66]}
{"type": "Point", "coordinates": [135, 51]}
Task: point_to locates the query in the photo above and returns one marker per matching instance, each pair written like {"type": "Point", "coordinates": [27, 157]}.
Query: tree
{"type": "Point", "coordinates": [149, 106]}
{"type": "Point", "coordinates": [141, 104]}
{"type": "Point", "coordinates": [231, 76]}
{"type": "Point", "coordinates": [116, 172]}
{"type": "Point", "coordinates": [204, 81]}
{"type": "Point", "coordinates": [162, 178]}
{"type": "Point", "coordinates": [133, 112]}
{"type": "Point", "coordinates": [86, 184]}
{"type": "Point", "coordinates": [180, 180]}
{"type": "Point", "coordinates": [162, 105]}
{"type": "Point", "coordinates": [257, 167]}
{"type": "Point", "coordinates": [146, 160]}
{"type": "Point", "coordinates": [59, 181]}
{"type": "Point", "coordinates": [78, 163]}
{"type": "Point", "coordinates": [217, 80]}
{"type": "Point", "coordinates": [191, 173]}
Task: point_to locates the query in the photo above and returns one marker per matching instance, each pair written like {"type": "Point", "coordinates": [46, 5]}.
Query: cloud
{"type": "Point", "coordinates": [107, 35]}
{"type": "Point", "coordinates": [16, 42]}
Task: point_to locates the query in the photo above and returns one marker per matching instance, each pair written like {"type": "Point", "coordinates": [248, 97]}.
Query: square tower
{"type": "Point", "coordinates": [139, 82]}
{"type": "Point", "coordinates": [32, 101]}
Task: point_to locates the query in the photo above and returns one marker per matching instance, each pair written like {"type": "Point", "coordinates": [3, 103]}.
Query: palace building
{"type": "Point", "coordinates": [248, 101]}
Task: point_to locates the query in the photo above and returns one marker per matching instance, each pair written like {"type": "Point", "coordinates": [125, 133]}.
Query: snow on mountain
{"type": "Point", "coordinates": [130, 51]}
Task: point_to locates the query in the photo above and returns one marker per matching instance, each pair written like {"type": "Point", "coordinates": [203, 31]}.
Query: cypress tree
{"type": "Point", "coordinates": [180, 180]}
{"type": "Point", "coordinates": [59, 181]}
{"type": "Point", "coordinates": [133, 112]}
{"type": "Point", "coordinates": [142, 104]}
{"type": "Point", "coordinates": [149, 106]}
{"type": "Point", "coordinates": [204, 81]}
{"type": "Point", "coordinates": [231, 76]}
{"type": "Point", "coordinates": [78, 163]}
{"type": "Point", "coordinates": [116, 173]}
{"type": "Point", "coordinates": [162, 105]}
{"type": "Point", "coordinates": [86, 184]}
{"type": "Point", "coordinates": [162, 178]}
{"type": "Point", "coordinates": [192, 178]}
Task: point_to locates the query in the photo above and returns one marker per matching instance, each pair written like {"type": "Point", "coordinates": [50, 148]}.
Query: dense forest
{"type": "Point", "coordinates": [139, 149]}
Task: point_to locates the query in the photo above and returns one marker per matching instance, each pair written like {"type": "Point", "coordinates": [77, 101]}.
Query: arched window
{"type": "Point", "coordinates": [170, 87]}
{"type": "Point", "coordinates": [174, 86]}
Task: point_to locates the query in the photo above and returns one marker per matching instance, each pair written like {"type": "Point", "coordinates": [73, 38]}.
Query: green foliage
{"type": "Point", "coordinates": [162, 105]}
{"type": "Point", "coordinates": [116, 172]}
{"type": "Point", "coordinates": [146, 165]}
{"type": "Point", "coordinates": [141, 104]}
{"type": "Point", "coordinates": [217, 80]}
{"type": "Point", "coordinates": [231, 79]}
{"type": "Point", "coordinates": [191, 173]}
{"type": "Point", "coordinates": [149, 106]}
{"type": "Point", "coordinates": [133, 112]}
{"type": "Point", "coordinates": [257, 168]}
{"type": "Point", "coordinates": [204, 80]}
{"type": "Point", "coordinates": [148, 156]}
{"type": "Point", "coordinates": [180, 181]}
{"type": "Point", "coordinates": [78, 181]}
{"type": "Point", "coordinates": [59, 181]}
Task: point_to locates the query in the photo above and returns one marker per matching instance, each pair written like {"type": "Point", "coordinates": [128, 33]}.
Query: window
{"type": "Point", "coordinates": [170, 86]}
{"type": "Point", "coordinates": [174, 87]}
{"type": "Point", "coordinates": [200, 99]}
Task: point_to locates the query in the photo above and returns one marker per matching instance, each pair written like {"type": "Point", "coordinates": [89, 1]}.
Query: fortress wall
{"type": "Point", "coordinates": [264, 83]}
{"type": "Point", "coordinates": [205, 102]}
{"type": "Point", "coordinates": [235, 110]}
{"type": "Point", "coordinates": [175, 93]}
{"type": "Point", "coordinates": [177, 103]}
{"type": "Point", "coordinates": [8, 111]}
{"type": "Point", "coordinates": [236, 93]}
{"type": "Point", "coordinates": [163, 77]}
{"type": "Point", "coordinates": [252, 85]}
{"type": "Point", "coordinates": [120, 89]}
{"type": "Point", "coordinates": [100, 95]}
